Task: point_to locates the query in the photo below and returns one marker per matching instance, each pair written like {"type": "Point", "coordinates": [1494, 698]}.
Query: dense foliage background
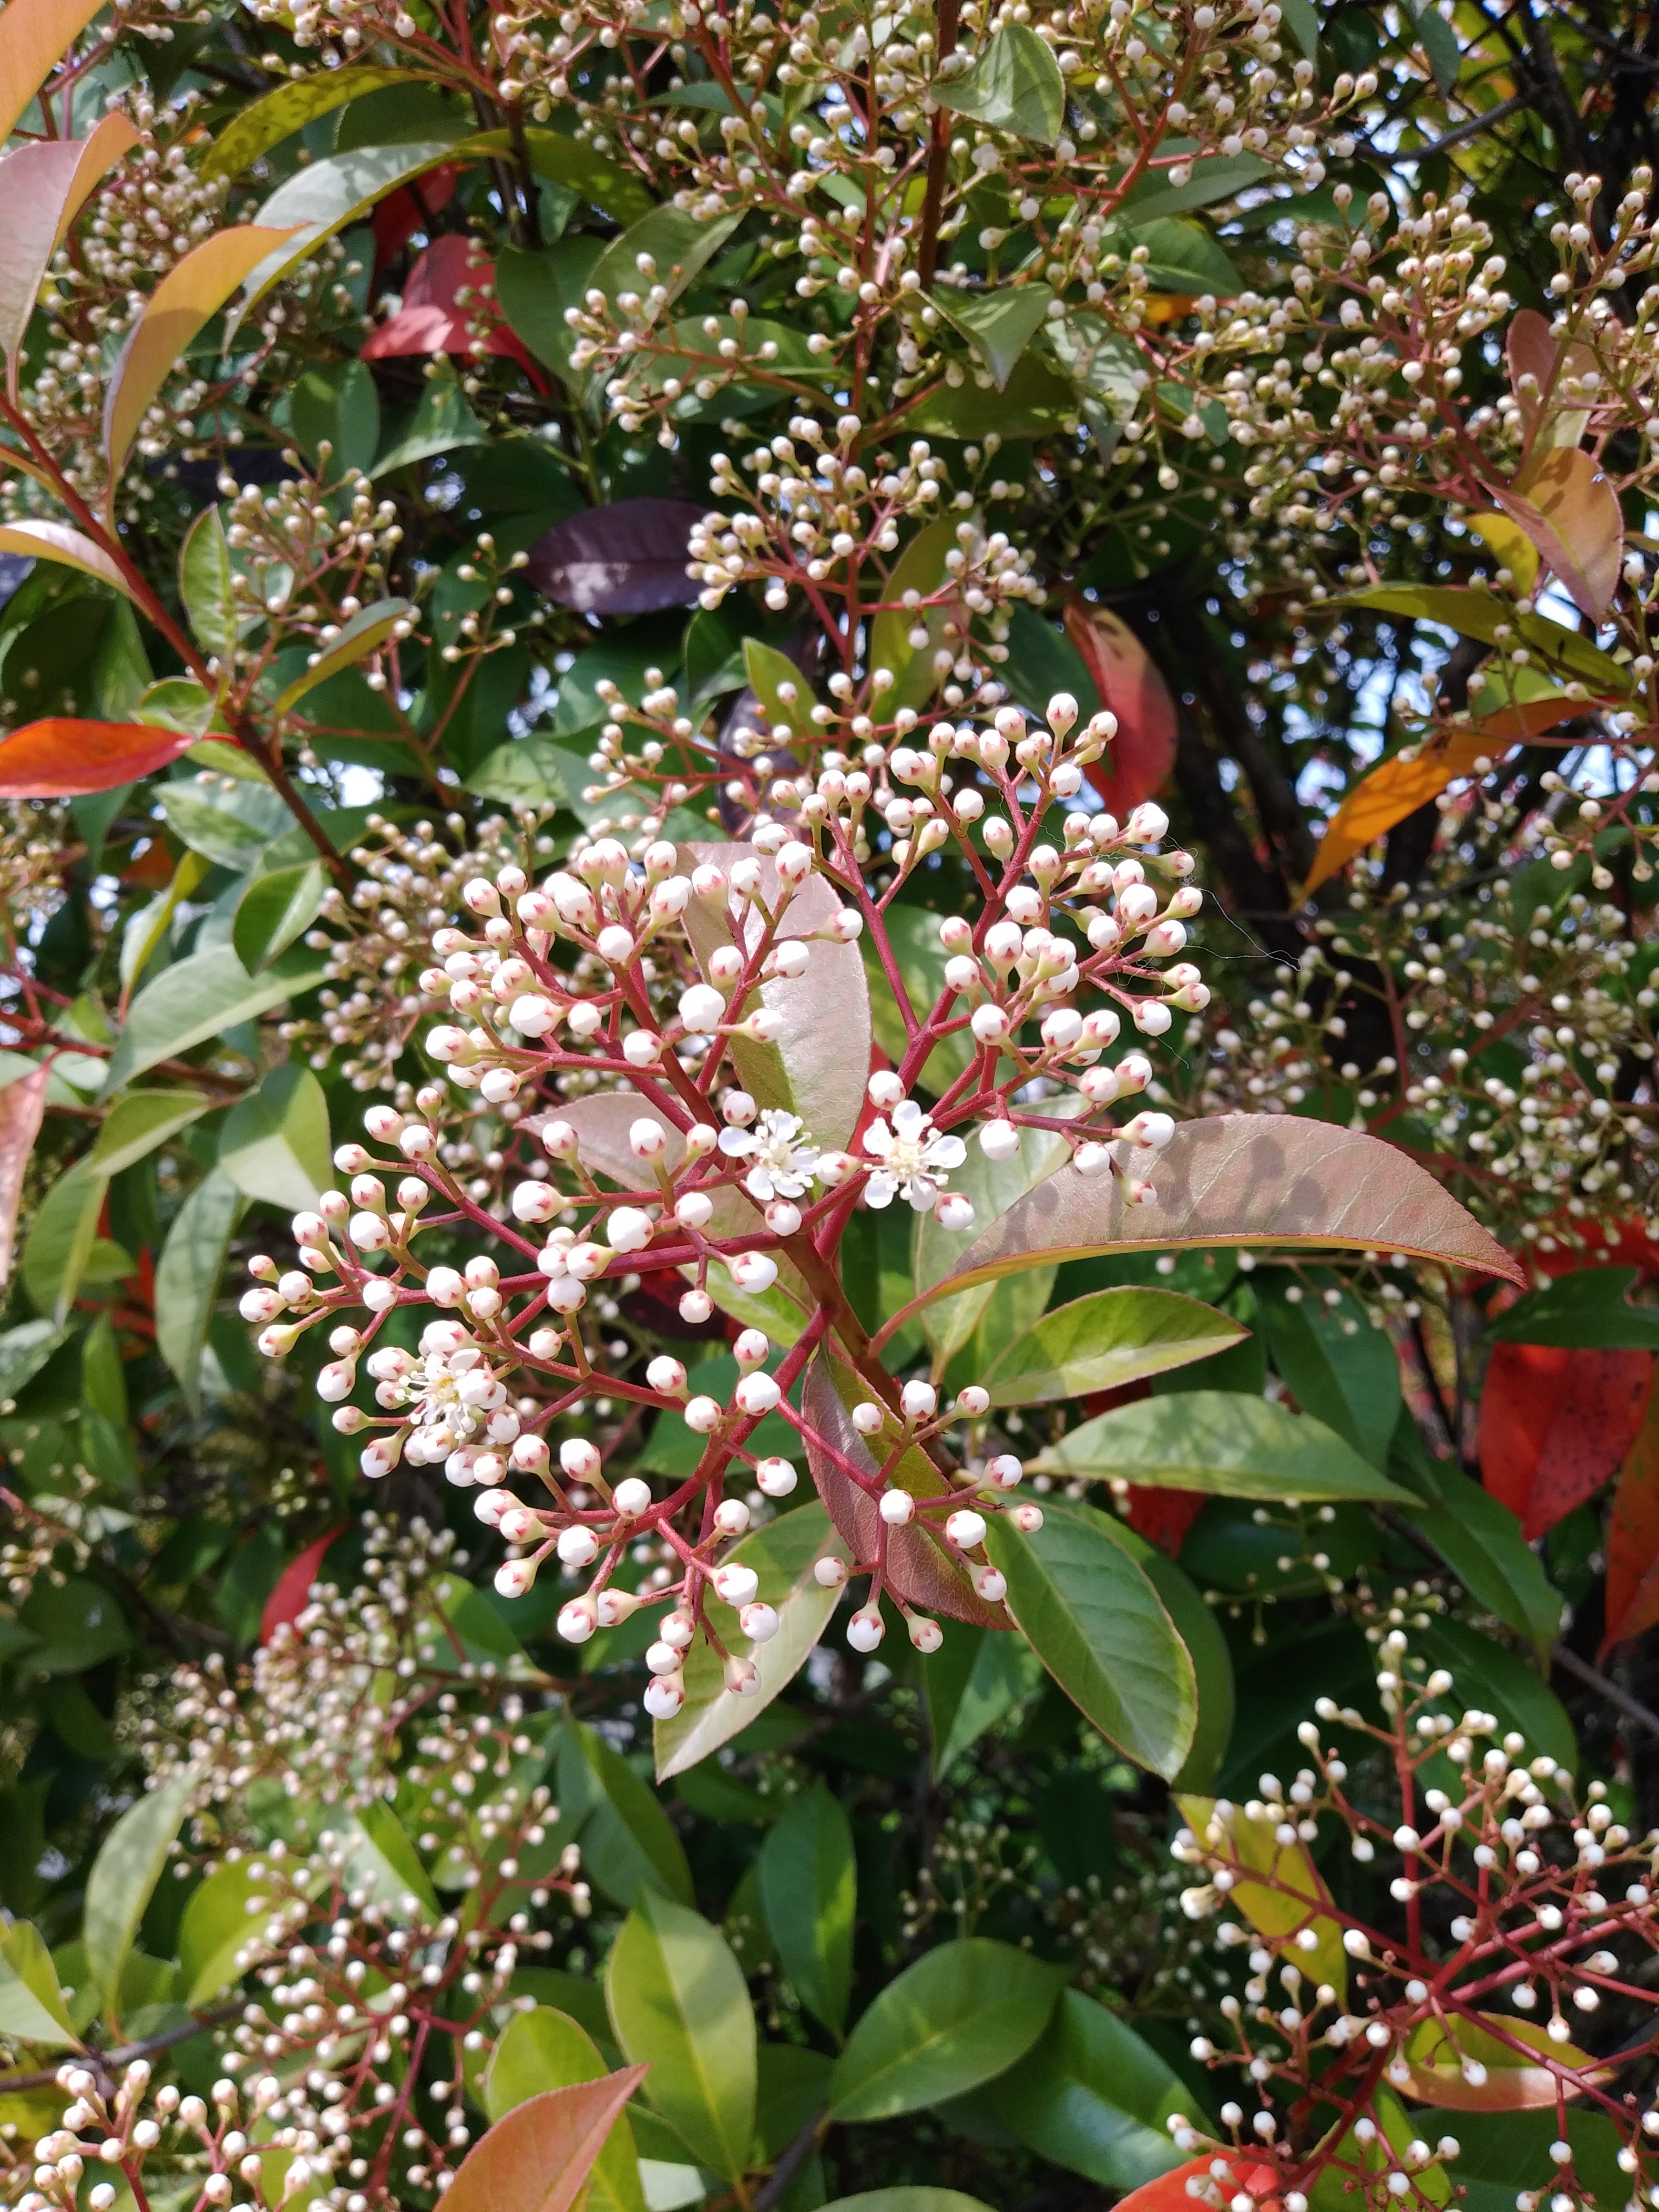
{"type": "Point", "coordinates": [1276, 377]}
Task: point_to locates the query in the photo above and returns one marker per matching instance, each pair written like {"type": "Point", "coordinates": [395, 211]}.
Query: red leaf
{"type": "Point", "coordinates": [1139, 760]}
{"type": "Point", "coordinates": [1555, 1424]}
{"type": "Point", "coordinates": [538, 2157]}
{"type": "Point", "coordinates": [432, 320]}
{"type": "Point", "coordinates": [1632, 1587]}
{"type": "Point", "coordinates": [1169, 2192]}
{"type": "Point", "coordinates": [292, 1592]}
{"type": "Point", "coordinates": [21, 1106]}
{"type": "Point", "coordinates": [64, 759]}
{"type": "Point", "coordinates": [627, 559]}
{"type": "Point", "coordinates": [1163, 1517]}
{"type": "Point", "coordinates": [409, 208]}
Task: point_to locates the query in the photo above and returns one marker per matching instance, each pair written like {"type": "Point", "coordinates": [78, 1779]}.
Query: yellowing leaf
{"type": "Point", "coordinates": [1570, 511]}
{"type": "Point", "coordinates": [1286, 1896]}
{"type": "Point", "coordinates": [43, 187]}
{"type": "Point", "coordinates": [34, 35]}
{"type": "Point", "coordinates": [1388, 795]}
{"type": "Point", "coordinates": [1482, 2062]}
{"type": "Point", "coordinates": [186, 298]}
{"type": "Point", "coordinates": [1514, 549]}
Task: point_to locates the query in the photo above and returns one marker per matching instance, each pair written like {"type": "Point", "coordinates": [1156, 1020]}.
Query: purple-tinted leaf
{"type": "Point", "coordinates": [628, 559]}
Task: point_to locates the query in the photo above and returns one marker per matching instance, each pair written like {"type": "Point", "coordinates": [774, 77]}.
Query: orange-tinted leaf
{"type": "Point", "coordinates": [1388, 795]}
{"type": "Point", "coordinates": [1532, 352]}
{"type": "Point", "coordinates": [1288, 1894]}
{"type": "Point", "coordinates": [292, 1592]}
{"type": "Point", "coordinates": [34, 35]}
{"type": "Point", "coordinates": [186, 300]}
{"type": "Point", "coordinates": [1570, 512]}
{"type": "Point", "coordinates": [56, 541]}
{"type": "Point", "coordinates": [920, 1567]}
{"type": "Point", "coordinates": [63, 758]}
{"type": "Point", "coordinates": [1241, 1179]}
{"type": "Point", "coordinates": [22, 1103]}
{"type": "Point", "coordinates": [1505, 2079]}
{"type": "Point", "coordinates": [1139, 760]}
{"type": "Point", "coordinates": [539, 2156]}
{"type": "Point", "coordinates": [43, 187]}
{"type": "Point", "coordinates": [1555, 1424]}
{"type": "Point", "coordinates": [1169, 2192]}
{"type": "Point", "coordinates": [1632, 1588]}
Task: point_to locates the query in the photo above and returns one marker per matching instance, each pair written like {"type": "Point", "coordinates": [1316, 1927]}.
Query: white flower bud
{"type": "Point", "coordinates": [965, 1529]}
{"type": "Point", "coordinates": [973, 1400]}
{"type": "Point", "coordinates": [515, 1577]}
{"type": "Point", "coordinates": [999, 1140]}
{"type": "Point", "coordinates": [577, 1620]}
{"type": "Point", "coordinates": [830, 1574]}
{"type": "Point", "coordinates": [664, 1697]}
{"type": "Point", "coordinates": [665, 1374]}
{"type": "Point", "coordinates": [700, 1414]}
{"type": "Point", "coordinates": [702, 1008]}
{"type": "Point", "coordinates": [919, 1402]}
{"type": "Point", "coordinates": [867, 1418]}
{"type": "Point", "coordinates": [627, 1230]}
{"type": "Point", "coordinates": [631, 1497]}
{"type": "Point", "coordinates": [535, 1201]}
{"type": "Point", "coordinates": [753, 1271]}
{"type": "Point", "coordinates": [775, 1477]}
{"type": "Point", "coordinates": [757, 1393]}
{"type": "Point", "coordinates": [735, 1584]}
{"type": "Point", "coordinates": [896, 1507]}
{"type": "Point", "coordinates": [866, 1628]}
{"type": "Point", "coordinates": [759, 1622]}
{"type": "Point", "coordinates": [534, 1015]}
{"type": "Point", "coordinates": [647, 1140]}
{"type": "Point", "coordinates": [884, 1089]}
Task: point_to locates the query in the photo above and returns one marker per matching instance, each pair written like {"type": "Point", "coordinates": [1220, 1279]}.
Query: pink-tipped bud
{"type": "Point", "coordinates": [926, 1635]}
{"type": "Point", "coordinates": [775, 1477]}
{"type": "Point", "coordinates": [866, 1628]}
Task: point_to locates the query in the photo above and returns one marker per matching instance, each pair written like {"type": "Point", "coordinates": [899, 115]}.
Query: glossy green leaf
{"type": "Point", "coordinates": [567, 161]}
{"type": "Point", "coordinates": [1480, 614]}
{"type": "Point", "coordinates": [273, 910]}
{"type": "Point", "coordinates": [205, 585]}
{"type": "Point", "coordinates": [809, 1885]}
{"type": "Point", "coordinates": [61, 1239]}
{"type": "Point", "coordinates": [1223, 1443]}
{"type": "Point", "coordinates": [136, 1124]}
{"type": "Point", "coordinates": [975, 1679]}
{"type": "Point", "coordinates": [534, 285]}
{"type": "Point", "coordinates": [1214, 177]}
{"type": "Point", "coordinates": [921, 568]}
{"type": "Point", "coordinates": [1093, 2097]}
{"type": "Point", "coordinates": [781, 1554]}
{"type": "Point", "coordinates": [1276, 1886]}
{"type": "Point", "coordinates": [368, 629]}
{"type": "Point", "coordinates": [230, 827]}
{"type": "Point", "coordinates": [442, 422]}
{"type": "Point", "coordinates": [222, 1920]}
{"type": "Point", "coordinates": [783, 694]}
{"type": "Point", "coordinates": [679, 2004]}
{"type": "Point", "coordinates": [275, 1142]}
{"type": "Point", "coordinates": [1015, 85]}
{"type": "Point", "coordinates": [32, 2004]}
{"type": "Point", "coordinates": [325, 196]}
{"type": "Point", "coordinates": [201, 997]}
{"type": "Point", "coordinates": [1196, 1624]}
{"type": "Point", "coordinates": [187, 1276]}
{"type": "Point", "coordinates": [1480, 1540]}
{"type": "Point", "coordinates": [628, 1842]}
{"type": "Point", "coordinates": [961, 2014]}
{"type": "Point", "coordinates": [1487, 1674]}
{"type": "Point", "coordinates": [382, 1859]}
{"type": "Point", "coordinates": [1182, 257]}
{"type": "Point", "coordinates": [122, 1879]}
{"type": "Point", "coordinates": [1100, 1628]}
{"type": "Point", "coordinates": [547, 2049]}
{"type": "Point", "coordinates": [1588, 1309]}
{"type": "Point", "coordinates": [1339, 1368]}
{"type": "Point", "coordinates": [998, 324]}
{"type": "Point", "coordinates": [1033, 400]}
{"type": "Point", "coordinates": [265, 123]}
{"type": "Point", "coordinates": [1106, 1340]}
{"type": "Point", "coordinates": [680, 244]}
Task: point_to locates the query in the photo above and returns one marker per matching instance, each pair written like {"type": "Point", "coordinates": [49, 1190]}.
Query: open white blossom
{"type": "Point", "coordinates": [783, 1165]}
{"type": "Point", "coordinates": [914, 1158]}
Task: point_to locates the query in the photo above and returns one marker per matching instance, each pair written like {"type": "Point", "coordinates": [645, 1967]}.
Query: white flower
{"type": "Point", "coordinates": [783, 1166]}
{"type": "Point", "coordinates": [913, 1158]}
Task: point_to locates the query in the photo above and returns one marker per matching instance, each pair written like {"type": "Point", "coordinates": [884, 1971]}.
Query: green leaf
{"type": "Point", "coordinates": [1481, 614]}
{"type": "Point", "coordinates": [275, 1142]}
{"type": "Point", "coordinates": [960, 2015]}
{"type": "Point", "coordinates": [441, 421]}
{"type": "Point", "coordinates": [1591, 1309]}
{"type": "Point", "coordinates": [808, 1884]}
{"type": "Point", "coordinates": [1182, 257]}
{"type": "Point", "coordinates": [1488, 1673]}
{"type": "Point", "coordinates": [1100, 1628]}
{"type": "Point", "coordinates": [563, 159]}
{"type": "Point", "coordinates": [1439, 41]}
{"type": "Point", "coordinates": [366, 631]}
{"type": "Point", "coordinates": [340, 406]}
{"type": "Point", "coordinates": [325, 196]}
{"type": "Point", "coordinates": [921, 568]}
{"type": "Point", "coordinates": [1093, 2097]}
{"type": "Point", "coordinates": [679, 2004]}
{"type": "Point", "coordinates": [782, 692]}
{"type": "Point", "coordinates": [273, 910]}
{"type": "Point", "coordinates": [628, 1842]}
{"type": "Point", "coordinates": [998, 324]}
{"type": "Point", "coordinates": [32, 2005]}
{"type": "Point", "coordinates": [1301, 19]}
{"type": "Point", "coordinates": [25, 1350]}
{"type": "Point", "coordinates": [1223, 1443]}
{"type": "Point", "coordinates": [547, 2049]}
{"type": "Point", "coordinates": [201, 997]}
{"type": "Point", "coordinates": [1480, 1540]}
{"type": "Point", "coordinates": [61, 1239]}
{"type": "Point", "coordinates": [254, 130]}
{"type": "Point", "coordinates": [1033, 400]}
{"type": "Point", "coordinates": [678, 242]}
{"type": "Point", "coordinates": [993, 1186]}
{"type": "Point", "coordinates": [224, 1914]}
{"type": "Point", "coordinates": [1014, 85]}
{"type": "Point", "coordinates": [136, 1124]}
{"type": "Point", "coordinates": [781, 1554]}
{"type": "Point", "coordinates": [382, 1859]}
{"type": "Point", "coordinates": [122, 1879]}
{"type": "Point", "coordinates": [230, 828]}
{"type": "Point", "coordinates": [1342, 1370]}
{"type": "Point", "coordinates": [975, 1679]}
{"type": "Point", "coordinates": [1196, 1624]}
{"type": "Point", "coordinates": [78, 1622]}
{"type": "Point", "coordinates": [187, 1276]}
{"type": "Point", "coordinates": [534, 285]}
{"type": "Point", "coordinates": [1106, 1340]}
{"type": "Point", "coordinates": [1214, 177]}
{"type": "Point", "coordinates": [205, 586]}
